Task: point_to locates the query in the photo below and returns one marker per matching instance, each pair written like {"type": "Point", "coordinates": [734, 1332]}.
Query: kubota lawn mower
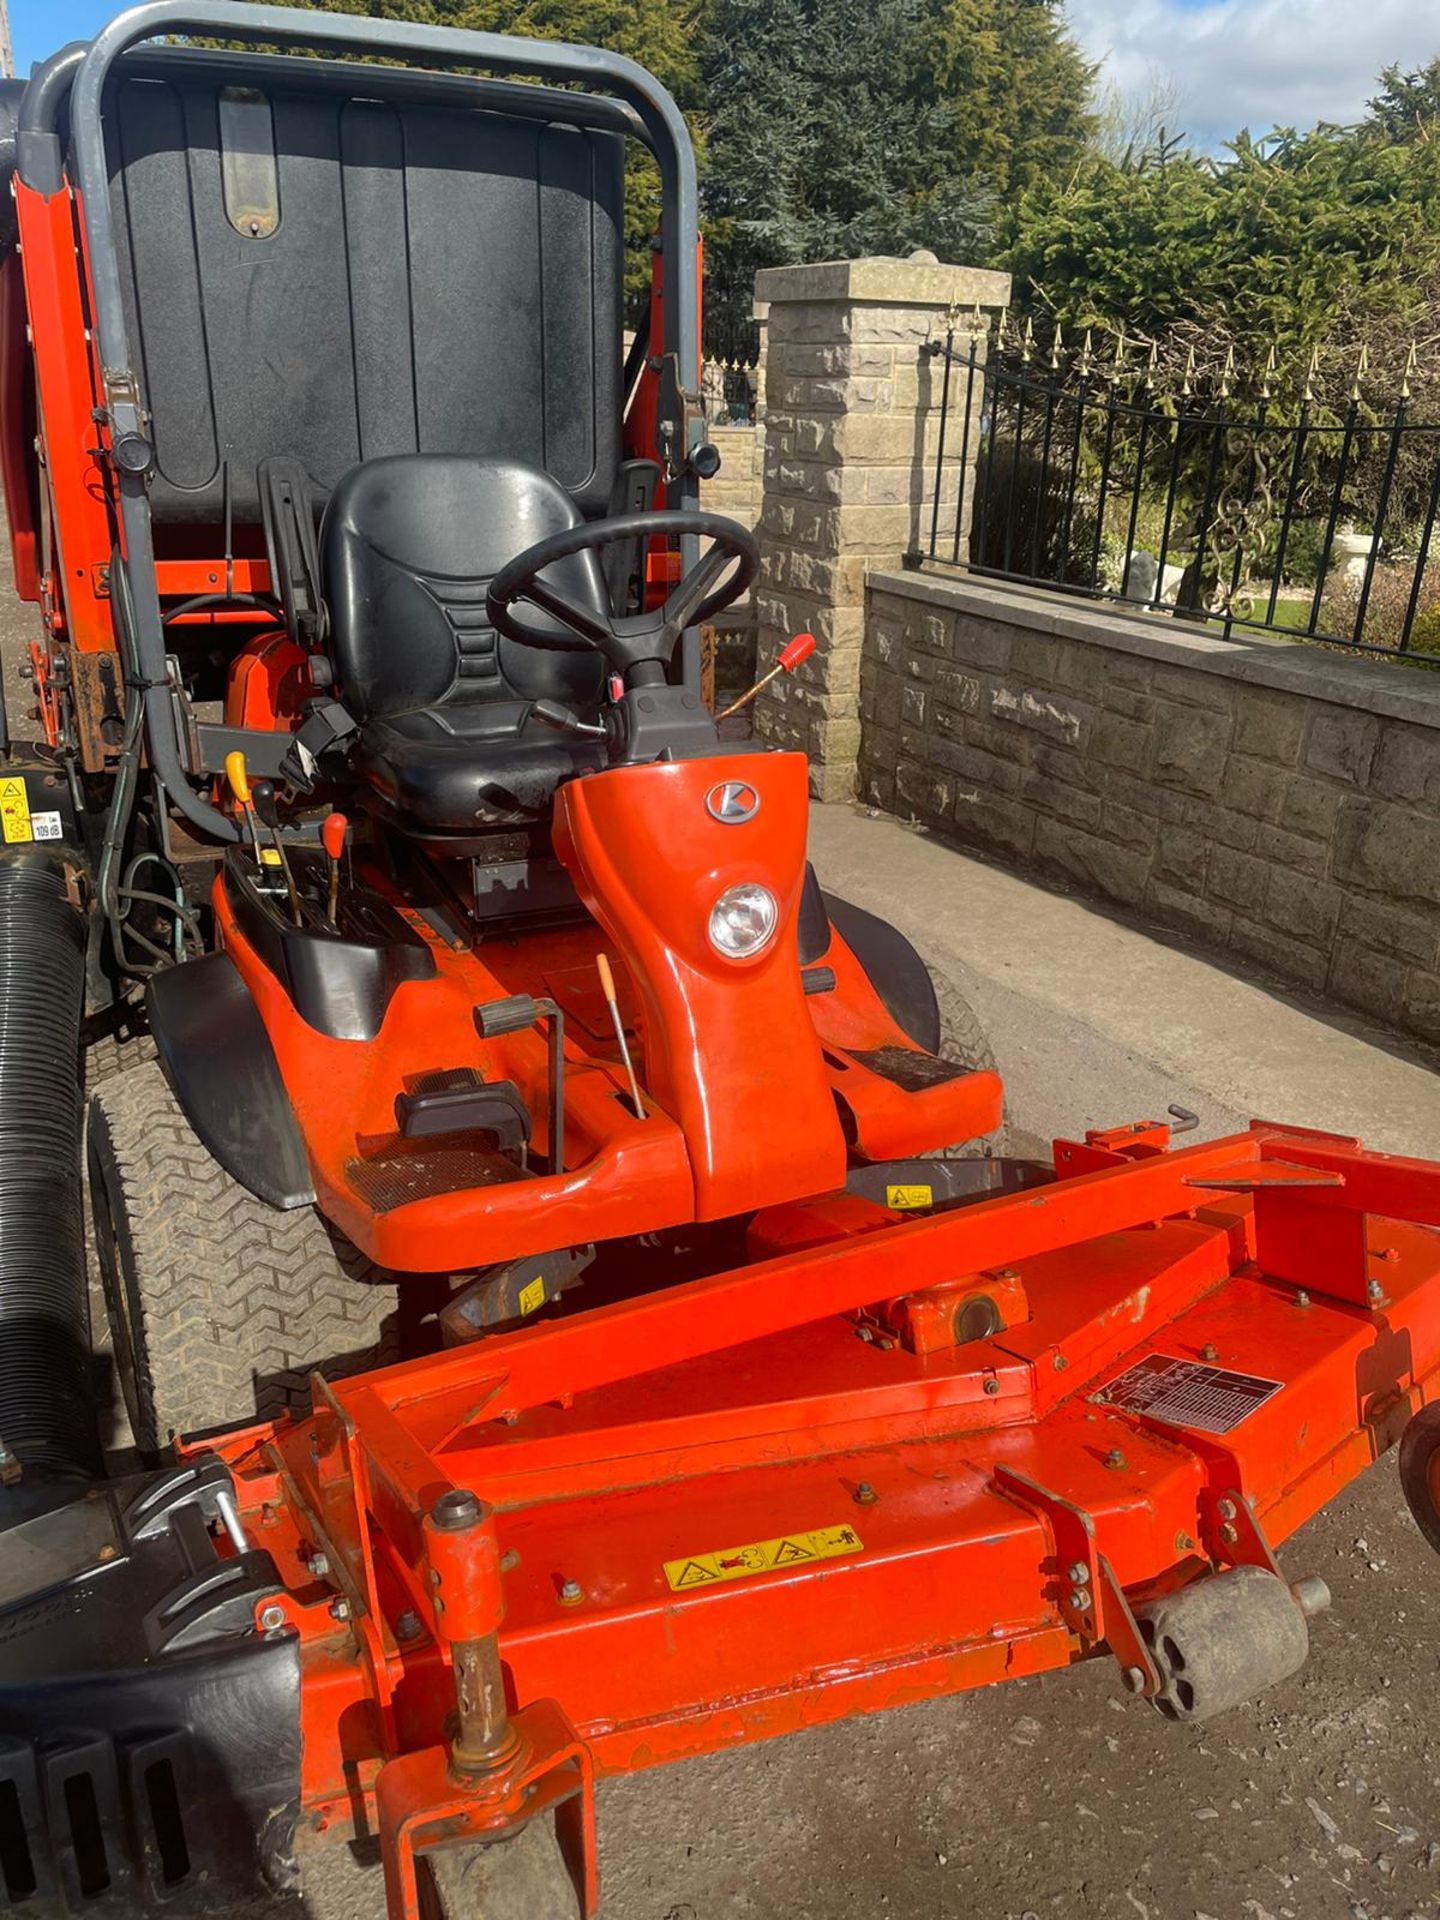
{"type": "Point", "coordinates": [565, 1305]}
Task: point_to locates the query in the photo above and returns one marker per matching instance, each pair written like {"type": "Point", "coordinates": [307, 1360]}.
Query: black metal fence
{"type": "Point", "coordinates": [729, 371]}
{"type": "Point", "coordinates": [1305, 517]}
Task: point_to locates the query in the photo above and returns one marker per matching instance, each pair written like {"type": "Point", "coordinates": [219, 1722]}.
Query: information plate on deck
{"type": "Point", "coordinates": [1186, 1393]}
{"type": "Point", "coordinates": [761, 1556]}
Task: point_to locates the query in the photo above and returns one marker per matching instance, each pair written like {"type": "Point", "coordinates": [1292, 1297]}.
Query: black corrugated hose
{"type": "Point", "coordinates": [47, 1404]}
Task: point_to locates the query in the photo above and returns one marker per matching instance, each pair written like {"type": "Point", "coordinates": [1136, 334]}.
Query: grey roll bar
{"type": "Point", "coordinates": [593, 67]}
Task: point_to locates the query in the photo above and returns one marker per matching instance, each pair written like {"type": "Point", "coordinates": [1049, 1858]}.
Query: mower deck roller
{"type": "Point", "coordinates": [566, 1309]}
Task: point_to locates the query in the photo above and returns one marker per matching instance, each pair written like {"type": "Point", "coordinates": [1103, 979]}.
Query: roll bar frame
{"type": "Point", "coordinates": [622, 97]}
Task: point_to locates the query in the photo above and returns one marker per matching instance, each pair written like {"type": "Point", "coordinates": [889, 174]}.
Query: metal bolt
{"type": "Point", "coordinates": [1080, 1599]}
{"type": "Point", "coordinates": [1059, 1363]}
{"type": "Point", "coordinates": [271, 1619]}
{"type": "Point", "coordinates": [863, 1333]}
{"type": "Point", "coordinates": [1302, 1298]}
{"type": "Point", "coordinates": [1225, 1509]}
{"type": "Point", "coordinates": [992, 1386]}
{"type": "Point", "coordinates": [865, 1495]}
{"type": "Point", "coordinates": [455, 1510]}
{"type": "Point", "coordinates": [319, 1565]}
{"type": "Point", "coordinates": [1007, 1273]}
{"type": "Point", "coordinates": [1114, 1458]}
{"type": "Point", "coordinates": [339, 1609]}
{"type": "Point", "coordinates": [407, 1624]}
{"type": "Point", "coordinates": [1373, 1289]}
{"type": "Point", "coordinates": [1133, 1679]}
{"type": "Point", "coordinates": [1183, 1542]}
{"type": "Point", "coordinates": [1230, 1535]}
{"type": "Point", "coordinates": [1077, 1573]}
{"type": "Point", "coordinates": [571, 1593]}
{"type": "Point", "coordinates": [1207, 1352]}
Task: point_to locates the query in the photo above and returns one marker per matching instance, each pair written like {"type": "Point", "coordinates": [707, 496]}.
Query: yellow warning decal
{"type": "Point", "coordinates": [532, 1295]}
{"type": "Point", "coordinates": [905, 1199]}
{"type": "Point", "coordinates": [765, 1556]}
{"type": "Point", "coordinates": [15, 809]}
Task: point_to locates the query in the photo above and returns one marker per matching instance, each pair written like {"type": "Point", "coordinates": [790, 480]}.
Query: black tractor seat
{"type": "Point", "coordinates": [408, 548]}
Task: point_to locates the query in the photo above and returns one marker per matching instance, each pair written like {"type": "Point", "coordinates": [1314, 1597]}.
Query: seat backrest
{"type": "Point", "coordinates": [409, 546]}
{"type": "Point", "coordinates": [322, 262]}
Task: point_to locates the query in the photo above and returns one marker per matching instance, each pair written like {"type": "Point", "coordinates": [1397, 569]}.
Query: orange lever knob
{"type": "Point", "coordinates": [333, 829]}
{"type": "Point", "coordinates": [800, 648]}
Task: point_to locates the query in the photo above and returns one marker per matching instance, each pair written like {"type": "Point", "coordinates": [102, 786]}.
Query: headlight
{"type": "Point", "coordinates": [742, 920]}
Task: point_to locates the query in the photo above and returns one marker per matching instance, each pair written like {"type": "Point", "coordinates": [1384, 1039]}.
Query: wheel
{"type": "Point", "coordinates": [116, 1052]}
{"type": "Point", "coordinates": [1420, 1471]}
{"type": "Point", "coordinates": [219, 1305]}
{"type": "Point", "coordinates": [526, 1878]}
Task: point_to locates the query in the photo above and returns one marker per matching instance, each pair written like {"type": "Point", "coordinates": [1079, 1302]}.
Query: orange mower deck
{"type": "Point", "coordinates": [770, 1498]}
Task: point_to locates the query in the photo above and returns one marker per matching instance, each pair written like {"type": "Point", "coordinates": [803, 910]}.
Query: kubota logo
{"type": "Point", "coordinates": [732, 802]}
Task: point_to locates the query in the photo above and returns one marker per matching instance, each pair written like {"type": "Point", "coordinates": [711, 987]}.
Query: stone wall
{"type": "Point", "coordinates": [852, 423]}
{"type": "Point", "coordinates": [1278, 801]}
{"type": "Point", "coordinates": [735, 489]}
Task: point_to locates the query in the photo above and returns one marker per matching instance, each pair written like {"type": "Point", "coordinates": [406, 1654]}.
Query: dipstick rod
{"type": "Point", "coordinates": [607, 987]}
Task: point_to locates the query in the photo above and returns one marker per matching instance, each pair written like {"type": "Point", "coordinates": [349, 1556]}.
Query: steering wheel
{"type": "Point", "coordinates": [631, 640]}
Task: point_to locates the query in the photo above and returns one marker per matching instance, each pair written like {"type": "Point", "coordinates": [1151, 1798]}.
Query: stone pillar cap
{"type": "Point", "coordinates": [883, 282]}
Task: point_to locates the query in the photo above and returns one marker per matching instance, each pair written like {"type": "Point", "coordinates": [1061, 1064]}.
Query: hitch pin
{"type": "Point", "coordinates": [607, 987]}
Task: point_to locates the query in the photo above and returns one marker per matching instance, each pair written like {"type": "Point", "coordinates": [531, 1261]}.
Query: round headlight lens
{"type": "Point", "coordinates": [742, 920]}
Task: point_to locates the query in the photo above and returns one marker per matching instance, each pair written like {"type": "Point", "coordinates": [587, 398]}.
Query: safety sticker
{"type": "Point", "coordinates": [45, 826]}
{"type": "Point", "coordinates": [1183, 1393]}
{"type": "Point", "coordinates": [15, 809]}
{"type": "Point", "coordinates": [906, 1199]}
{"type": "Point", "coordinates": [764, 1556]}
{"type": "Point", "coordinates": [532, 1295]}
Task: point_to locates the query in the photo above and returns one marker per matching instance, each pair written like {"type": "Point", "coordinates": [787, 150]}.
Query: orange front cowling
{"type": "Point", "coordinates": [730, 1049]}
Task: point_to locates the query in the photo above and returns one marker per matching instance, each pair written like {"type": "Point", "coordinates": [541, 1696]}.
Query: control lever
{"type": "Point", "coordinates": [1185, 1120]}
{"type": "Point", "coordinates": [789, 658]}
{"type": "Point", "coordinates": [607, 987]}
{"type": "Point", "coordinates": [513, 1015]}
{"type": "Point", "coordinates": [239, 782]}
{"type": "Point", "coordinates": [262, 794]}
{"type": "Point", "coordinates": [333, 829]}
{"type": "Point", "coordinates": [551, 714]}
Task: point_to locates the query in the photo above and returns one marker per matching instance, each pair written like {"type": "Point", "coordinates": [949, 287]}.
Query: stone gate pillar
{"type": "Point", "coordinates": [851, 424]}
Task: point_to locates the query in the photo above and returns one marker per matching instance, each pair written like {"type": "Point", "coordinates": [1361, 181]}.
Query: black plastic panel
{"type": "Point", "coordinates": [222, 1069]}
{"type": "Point", "coordinates": [439, 280]}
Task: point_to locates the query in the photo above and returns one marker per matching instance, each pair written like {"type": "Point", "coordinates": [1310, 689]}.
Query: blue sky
{"type": "Point", "coordinates": [1227, 63]}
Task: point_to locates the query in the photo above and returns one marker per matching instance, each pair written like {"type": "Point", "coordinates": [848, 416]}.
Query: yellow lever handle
{"type": "Point", "coordinates": [237, 776]}
{"type": "Point", "coordinates": [607, 979]}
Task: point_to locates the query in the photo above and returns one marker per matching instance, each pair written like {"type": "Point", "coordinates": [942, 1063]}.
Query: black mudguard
{"type": "Point", "coordinates": [222, 1069]}
{"type": "Point", "coordinates": [893, 967]}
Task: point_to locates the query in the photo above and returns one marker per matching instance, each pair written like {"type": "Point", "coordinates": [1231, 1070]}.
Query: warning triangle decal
{"type": "Point", "coordinates": [694, 1575]}
{"type": "Point", "coordinates": [789, 1550]}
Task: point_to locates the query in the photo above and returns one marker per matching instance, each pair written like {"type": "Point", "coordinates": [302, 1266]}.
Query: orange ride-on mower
{"type": "Point", "coordinates": [566, 1312]}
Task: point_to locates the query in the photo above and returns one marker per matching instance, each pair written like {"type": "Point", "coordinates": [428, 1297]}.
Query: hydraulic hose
{"type": "Point", "coordinates": [47, 1407]}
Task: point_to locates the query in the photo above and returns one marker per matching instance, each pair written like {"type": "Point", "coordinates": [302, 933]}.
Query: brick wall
{"type": "Point", "coordinates": [1282, 802]}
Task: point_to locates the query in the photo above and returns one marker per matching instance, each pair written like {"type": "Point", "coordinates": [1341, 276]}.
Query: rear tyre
{"type": "Point", "coordinates": [219, 1305]}
{"type": "Point", "coordinates": [1420, 1471]}
{"type": "Point", "coordinates": [521, 1879]}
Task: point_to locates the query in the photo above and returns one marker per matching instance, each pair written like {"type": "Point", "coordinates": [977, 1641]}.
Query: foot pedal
{"type": "Point", "coordinates": [462, 1100]}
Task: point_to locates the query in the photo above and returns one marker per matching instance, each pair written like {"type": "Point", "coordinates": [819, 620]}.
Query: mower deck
{"type": "Point", "coordinates": [770, 1498]}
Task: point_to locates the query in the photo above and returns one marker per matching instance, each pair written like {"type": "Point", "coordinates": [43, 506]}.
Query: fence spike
{"type": "Point", "coordinates": [1362, 367]}
{"type": "Point", "coordinates": [1152, 363]}
{"type": "Point", "coordinates": [1055, 346]}
{"type": "Point", "coordinates": [978, 325]}
{"type": "Point", "coordinates": [1117, 372]}
{"type": "Point", "coordinates": [1267, 379]}
{"type": "Point", "coordinates": [1227, 373]}
{"type": "Point", "coordinates": [1085, 355]}
{"type": "Point", "coordinates": [1027, 342]}
{"type": "Point", "coordinates": [1186, 382]}
{"type": "Point", "coordinates": [1312, 373]}
{"type": "Point", "coordinates": [1412, 363]}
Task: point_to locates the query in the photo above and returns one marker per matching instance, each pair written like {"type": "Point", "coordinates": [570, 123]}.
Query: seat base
{"type": "Point", "coordinates": [465, 769]}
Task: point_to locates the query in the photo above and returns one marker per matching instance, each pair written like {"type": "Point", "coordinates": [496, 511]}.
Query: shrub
{"type": "Point", "coordinates": [1386, 608]}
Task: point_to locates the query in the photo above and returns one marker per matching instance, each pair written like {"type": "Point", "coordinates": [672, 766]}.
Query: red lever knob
{"type": "Point", "coordinates": [332, 834]}
{"type": "Point", "coordinates": [800, 648]}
